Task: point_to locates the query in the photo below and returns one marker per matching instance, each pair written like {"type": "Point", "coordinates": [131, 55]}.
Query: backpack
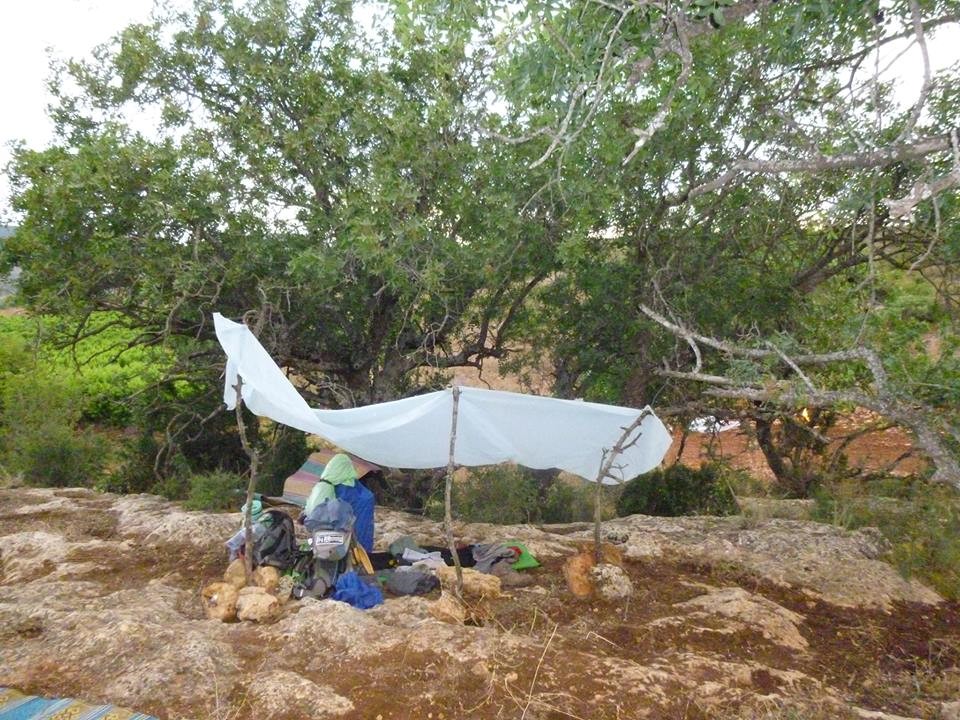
{"type": "Point", "coordinates": [277, 547]}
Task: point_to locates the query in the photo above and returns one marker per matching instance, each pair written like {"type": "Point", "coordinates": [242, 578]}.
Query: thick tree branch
{"type": "Point", "coordinates": [861, 160]}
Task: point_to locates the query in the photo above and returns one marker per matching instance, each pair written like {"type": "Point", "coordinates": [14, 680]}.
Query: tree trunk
{"type": "Point", "coordinates": [771, 454]}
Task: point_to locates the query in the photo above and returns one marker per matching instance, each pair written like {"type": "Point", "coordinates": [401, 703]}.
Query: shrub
{"type": "Point", "coordinates": [678, 490]}
{"type": "Point", "coordinates": [567, 502]}
{"type": "Point", "coordinates": [215, 491]}
{"type": "Point", "coordinates": [62, 457]}
{"type": "Point", "coordinates": [502, 494]}
{"type": "Point", "coordinates": [39, 433]}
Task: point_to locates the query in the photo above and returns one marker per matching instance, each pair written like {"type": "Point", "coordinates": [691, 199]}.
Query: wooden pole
{"type": "Point", "coordinates": [606, 462]}
{"type": "Point", "coordinates": [254, 456]}
{"type": "Point", "coordinates": [448, 492]}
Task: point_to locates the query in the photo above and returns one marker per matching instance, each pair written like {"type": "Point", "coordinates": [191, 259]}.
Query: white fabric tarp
{"type": "Point", "coordinates": [492, 426]}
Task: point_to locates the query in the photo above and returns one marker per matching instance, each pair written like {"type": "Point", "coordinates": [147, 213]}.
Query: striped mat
{"type": "Point", "coordinates": [14, 705]}
{"type": "Point", "coordinates": [297, 487]}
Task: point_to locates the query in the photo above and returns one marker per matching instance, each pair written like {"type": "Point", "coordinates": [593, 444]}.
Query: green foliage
{"type": "Point", "coordinates": [285, 452]}
{"type": "Point", "coordinates": [568, 502]}
{"type": "Point", "coordinates": [331, 177]}
{"type": "Point", "coordinates": [358, 190]}
{"type": "Point", "coordinates": [39, 436]}
{"type": "Point", "coordinates": [103, 370]}
{"type": "Point", "coordinates": [922, 525]}
{"type": "Point", "coordinates": [501, 494]}
{"type": "Point", "coordinates": [678, 490]}
{"type": "Point", "coordinates": [741, 482]}
{"type": "Point", "coordinates": [215, 491]}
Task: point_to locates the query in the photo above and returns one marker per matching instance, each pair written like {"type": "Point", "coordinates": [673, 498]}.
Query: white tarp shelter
{"type": "Point", "coordinates": [492, 426]}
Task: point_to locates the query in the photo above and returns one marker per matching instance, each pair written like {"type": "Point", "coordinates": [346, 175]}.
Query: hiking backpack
{"type": "Point", "coordinates": [278, 545]}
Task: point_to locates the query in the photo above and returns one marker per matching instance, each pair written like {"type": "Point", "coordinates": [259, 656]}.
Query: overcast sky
{"type": "Point", "coordinates": [33, 31]}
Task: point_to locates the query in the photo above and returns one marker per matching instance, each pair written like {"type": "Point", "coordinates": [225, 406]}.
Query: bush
{"type": "Point", "coordinates": [502, 494]}
{"type": "Point", "coordinates": [39, 436]}
{"type": "Point", "coordinates": [215, 491]}
{"type": "Point", "coordinates": [678, 490]}
{"type": "Point", "coordinates": [62, 457]}
{"type": "Point", "coordinates": [566, 502]}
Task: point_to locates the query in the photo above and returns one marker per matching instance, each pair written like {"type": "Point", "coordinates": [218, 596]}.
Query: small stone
{"type": "Point", "coordinates": [268, 578]}
{"type": "Point", "coordinates": [254, 603]}
{"type": "Point", "coordinates": [743, 677]}
{"type": "Point", "coordinates": [236, 574]}
{"type": "Point", "coordinates": [611, 582]}
{"type": "Point", "coordinates": [480, 670]}
{"type": "Point", "coordinates": [220, 601]}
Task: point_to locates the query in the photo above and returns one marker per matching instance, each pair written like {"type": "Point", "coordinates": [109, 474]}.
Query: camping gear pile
{"type": "Point", "coordinates": [328, 552]}
{"type": "Point", "coordinates": [322, 558]}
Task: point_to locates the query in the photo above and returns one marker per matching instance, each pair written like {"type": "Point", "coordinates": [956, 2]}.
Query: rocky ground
{"type": "Point", "coordinates": [730, 618]}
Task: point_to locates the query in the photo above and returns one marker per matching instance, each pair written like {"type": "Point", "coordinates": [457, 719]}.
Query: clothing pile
{"type": "Point", "coordinates": [407, 568]}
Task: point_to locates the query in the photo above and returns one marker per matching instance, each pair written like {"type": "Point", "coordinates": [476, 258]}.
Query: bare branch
{"type": "Point", "coordinates": [868, 356]}
{"type": "Point", "coordinates": [924, 190]}
{"type": "Point", "coordinates": [793, 366]}
{"type": "Point", "coordinates": [927, 82]}
{"type": "Point", "coordinates": [862, 160]}
{"type": "Point", "coordinates": [562, 131]}
{"type": "Point", "coordinates": [659, 119]}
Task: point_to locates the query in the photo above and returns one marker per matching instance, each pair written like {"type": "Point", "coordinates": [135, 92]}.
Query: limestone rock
{"type": "Point", "coordinates": [285, 588]}
{"type": "Point", "coordinates": [950, 710]}
{"type": "Point", "coordinates": [842, 567]}
{"type": "Point", "coordinates": [611, 582]}
{"type": "Point", "coordinates": [268, 578]}
{"type": "Point", "coordinates": [510, 577]}
{"type": "Point", "coordinates": [475, 584]}
{"type": "Point", "coordinates": [576, 571]}
{"type": "Point", "coordinates": [220, 601]}
{"type": "Point", "coordinates": [285, 694]}
{"type": "Point", "coordinates": [447, 608]}
{"type": "Point", "coordinates": [236, 574]}
{"type": "Point", "coordinates": [609, 554]}
{"type": "Point", "coordinates": [740, 609]}
{"type": "Point", "coordinates": [254, 603]}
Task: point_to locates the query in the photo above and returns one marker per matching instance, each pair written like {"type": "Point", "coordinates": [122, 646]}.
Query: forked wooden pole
{"type": "Point", "coordinates": [251, 485]}
{"type": "Point", "coordinates": [606, 462]}
{"type": "Point", "coordinates": [448, 492]}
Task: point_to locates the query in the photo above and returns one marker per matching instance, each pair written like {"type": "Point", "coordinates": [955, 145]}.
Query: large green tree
{"type": "Point", "coordinates": [772, 207]}
{"type": "Point", "coordinates": [307, 165]}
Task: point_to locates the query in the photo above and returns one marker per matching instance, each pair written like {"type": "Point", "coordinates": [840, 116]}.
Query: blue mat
{"type": "Point", "coordinates": [14, 705]}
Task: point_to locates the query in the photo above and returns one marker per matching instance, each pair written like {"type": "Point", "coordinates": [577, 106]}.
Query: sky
{"type": "Point", "coordinates": [34, 31]}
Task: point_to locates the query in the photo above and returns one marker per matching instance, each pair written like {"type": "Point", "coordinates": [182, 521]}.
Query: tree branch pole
{"type": "Point", "coordinates": [605, 464]}
{"type": "Point", "coordinates": [448, 492]}
{"type": "Point", "coordinates": [251, 485]}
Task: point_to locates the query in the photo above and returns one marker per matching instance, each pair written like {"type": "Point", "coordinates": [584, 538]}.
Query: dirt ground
{"type": "Point", "coordinates": [99, 599]}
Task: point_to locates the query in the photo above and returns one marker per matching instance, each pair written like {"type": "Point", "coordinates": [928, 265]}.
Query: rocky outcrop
{"type": "Point", "coordinates": [100, 597]}
{"type": "Point", "coordinates": [840, 566]}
